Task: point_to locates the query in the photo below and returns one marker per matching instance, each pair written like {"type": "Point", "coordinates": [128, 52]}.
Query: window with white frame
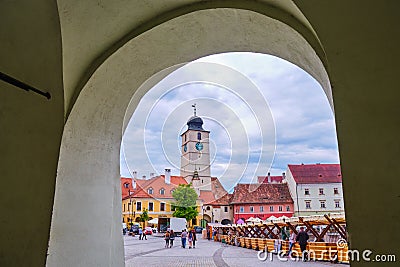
{"type": "Point", "coordinates": [162, 206]}
{"type": "Point", "coordinates": [251, 209]}
{"type": "Point", "coordinates": [321, 191]}
{"type": "Point", "coordinates": [306, 191]}
{"type": "Point", "coordinates": [241, 209]}
{"type": "Point", "coordinates": [138, 206]}
{"type": "Point", "coordinates": [280, 208]}
{"type": "Point", "coordinates": [150, 191]}
{"type": "Point", "coordinates": [323, 204]}
{"type": "Point", "coordinates": [162, 191]}
{"type": "Point", "coordinates": [261, 208]}
{"type": "Point", "coordinates": [151, 206]}
{"type": "Point", "coordinates": [287, 208]}
{"type": "Point", "coordinates": [308, 204]}
{"type": "Point", "coordinates": [337, 203]}
{"type": "Point", "coordinates": [271, 208]}
{"type": "Point", "coordinates": [126, 185]}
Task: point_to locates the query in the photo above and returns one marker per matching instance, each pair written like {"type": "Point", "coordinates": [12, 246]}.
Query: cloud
{"type": "Point", "coordinates": [250, 103]}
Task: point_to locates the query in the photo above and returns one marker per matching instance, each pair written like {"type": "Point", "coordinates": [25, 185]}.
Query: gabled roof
{"type": "Point", "coordinates": [261, 193]}
{"type": "Point", "coordinates": [156, 183]}
{"type": "Point", "coordinates": [316, 173]}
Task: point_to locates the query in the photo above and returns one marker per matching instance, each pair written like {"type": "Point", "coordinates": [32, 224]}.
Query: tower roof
{"type": "Point", "coordinates": [195, 123]}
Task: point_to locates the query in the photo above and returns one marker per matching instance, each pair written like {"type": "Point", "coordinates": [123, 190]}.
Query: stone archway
{"type": "Point", "coordinates": [89, 155]}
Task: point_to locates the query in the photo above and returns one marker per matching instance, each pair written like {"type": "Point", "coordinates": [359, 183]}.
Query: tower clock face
{"type": "Point", "coordinates": [199, 146]}
{"type": "Point", "coordinates": [185, 148]}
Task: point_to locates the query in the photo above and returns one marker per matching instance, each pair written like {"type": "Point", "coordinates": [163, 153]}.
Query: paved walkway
{"type": "Point", "coordinates": [151, 252]}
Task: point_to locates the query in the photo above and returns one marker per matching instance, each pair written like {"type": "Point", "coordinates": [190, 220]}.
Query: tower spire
{"type": "Point", "coordinates": [194, 109]}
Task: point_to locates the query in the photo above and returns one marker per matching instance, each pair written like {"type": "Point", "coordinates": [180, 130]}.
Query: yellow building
{"type": "Point", "coordinates": [154, 195]}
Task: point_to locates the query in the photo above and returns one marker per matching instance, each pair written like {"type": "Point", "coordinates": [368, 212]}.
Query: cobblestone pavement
{"type": "Point", "coordinates": [151, 252]}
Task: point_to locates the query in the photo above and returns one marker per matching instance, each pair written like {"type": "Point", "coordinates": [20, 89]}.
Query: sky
{"type": "Point", "coordinates": [262, 112]}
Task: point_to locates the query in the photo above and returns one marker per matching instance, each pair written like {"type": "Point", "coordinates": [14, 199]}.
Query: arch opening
{"type": "Point", "coordinates": [89, 156]}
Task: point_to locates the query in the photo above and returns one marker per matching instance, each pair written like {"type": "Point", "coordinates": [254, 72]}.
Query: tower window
{"type": "Point", "coordinates": [199, 136]}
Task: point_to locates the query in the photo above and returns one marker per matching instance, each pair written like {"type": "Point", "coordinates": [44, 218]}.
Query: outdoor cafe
{"type": "Point", "coordinates": [328, 236]}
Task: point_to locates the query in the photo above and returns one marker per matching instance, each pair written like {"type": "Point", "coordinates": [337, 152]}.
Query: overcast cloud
{"type": "Point", "coordinates": [262, 113]}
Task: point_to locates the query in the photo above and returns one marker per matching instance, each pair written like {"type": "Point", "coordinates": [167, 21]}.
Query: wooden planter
{"type": "Point", "coordinates": [262, 243]}
{"type": "Point", "coordinates": [248, 242]}
{"type": "Point", "coordinates": [242, 242]}
{"type": "Point", "coordinates": [254, 243]}
{"type": "Point", "coordinates": [343, 254]}
{"type": "Point", "coordinates": [270, 244]}
{"type": "Point", "coordinates": [322, 251]}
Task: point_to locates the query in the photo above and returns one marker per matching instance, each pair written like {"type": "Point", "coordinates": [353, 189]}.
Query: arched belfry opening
{"type": "Point", "coordinates": [89, 158]}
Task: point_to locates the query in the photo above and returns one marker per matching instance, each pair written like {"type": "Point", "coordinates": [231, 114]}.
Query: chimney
{"type": "Point", "coordinates": [144, 177]}
{"type": "Point", "coordinates": [134, 174]}
{"type": "Point", "coordinates": [152, 174]}
{"type": "Point", "coordinates": [269, 178]}
{"type": "Point", "coordinates": [167, 176]}
{"type": "Point", "coordinates": [133, 183]}
{"type": "Point", "coordinates": [283, 176]}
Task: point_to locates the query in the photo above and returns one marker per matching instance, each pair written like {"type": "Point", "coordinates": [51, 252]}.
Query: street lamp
{"type": "Point", "coordinates": [202, 222]}
{"type": "Point", "coordinates": [131, 211]}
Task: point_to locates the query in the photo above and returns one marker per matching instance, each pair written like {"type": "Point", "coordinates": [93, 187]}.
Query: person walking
{"type": "Point", "coordinates": [171, 238]}
{"type": "Point", "coordinates": [194, 238]}
{"type": "Point", "coordinates": [140, 233]}
{"type": "Point", "coordinates": [292, 241]}
{"type": "Point", "coordinates": [190, 239]}
{"type": "Point", "coordinates": [167, 238]}
{"type": "Point", "coordinates": [183, 238]}
{"type": "Point", "coordinates": [302, 238]}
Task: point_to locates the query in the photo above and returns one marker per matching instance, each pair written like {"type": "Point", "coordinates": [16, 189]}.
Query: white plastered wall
{"type": "Point", "coordinates": [86, 223]}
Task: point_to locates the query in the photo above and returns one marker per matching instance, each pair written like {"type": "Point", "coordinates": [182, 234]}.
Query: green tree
{"type": "Point", "coordinates": [185, 202]}
{"type": "Point", "coordinates": [144, 217]}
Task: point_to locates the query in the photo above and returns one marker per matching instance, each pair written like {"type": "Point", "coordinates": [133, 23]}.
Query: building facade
{"type": "Point", "coordinates": [315, 188]}
{"type": "Point", "coordinates": [261, 200]}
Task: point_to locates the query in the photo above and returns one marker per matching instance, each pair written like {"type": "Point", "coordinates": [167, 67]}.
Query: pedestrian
{"type": "Point", "coordinates": [208, 234]}
{"type": "Point", "coordinates": [144, 235]}
{"type": "Point", "coordinates": [171, 238]}
{"type": "Point", "coordinates": [302, 238]}
{"type": "Point", "coordinates": [194, 238]}
{"type": "Point", "coordinates": [140, 233]}
{"type": "Point", "coordinates": [190, 239]}
{"type": "Point", "coordinates": [183, 238]}
{"type": "Point", "coordinates": [167, 238]}
{"type": "Point", "coordinates": [292, 241]}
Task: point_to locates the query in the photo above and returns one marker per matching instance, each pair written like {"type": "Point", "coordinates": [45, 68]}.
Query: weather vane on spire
{"type": "Point", "coordinates": [194, 109]}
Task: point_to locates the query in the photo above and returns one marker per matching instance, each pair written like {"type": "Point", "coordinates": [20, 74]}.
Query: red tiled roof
{"type": "Point", "coordinates": [124, 190]}
{"type": "Point", "coordinates": [207, 196]}
{"type": "Point", "coordinates": [264, 179]}
{"type": "Point", "coordinates": [261, 193]}
{"type": "Point", "coordinates": [156, 183]}
{"type": "Point", "coordinates": [316, 173]}
{"type": "Point", "coordinates": [139, 193]}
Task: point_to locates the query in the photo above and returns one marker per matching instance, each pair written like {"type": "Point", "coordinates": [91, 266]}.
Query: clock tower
{"type": "Point", "coordinates": [195, 154]}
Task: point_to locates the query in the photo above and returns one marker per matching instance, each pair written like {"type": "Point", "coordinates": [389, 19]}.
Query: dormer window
{"type": "Point", "coordinates": [162, 191]}
{"type": "Point", "coordinates": [126, 185]}
{"type": "Point", "coordinates": [150, 191]}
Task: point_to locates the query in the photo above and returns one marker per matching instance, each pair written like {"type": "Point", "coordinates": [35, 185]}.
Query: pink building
{"type": "Point", "coordinates": [262, 201]}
